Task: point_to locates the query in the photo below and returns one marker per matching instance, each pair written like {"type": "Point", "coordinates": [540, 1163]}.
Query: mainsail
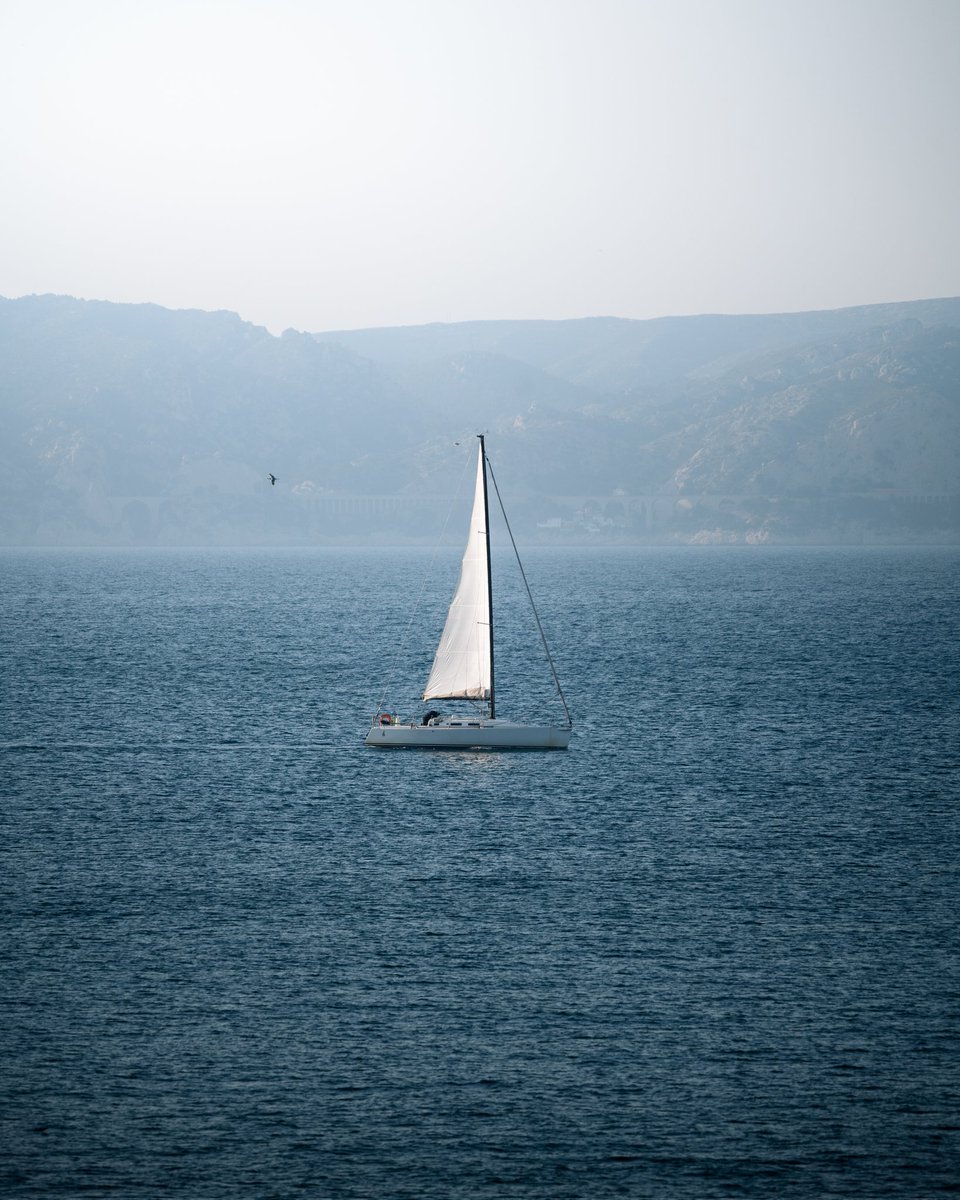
{"type": "Point", "coordinates": [461, 667]}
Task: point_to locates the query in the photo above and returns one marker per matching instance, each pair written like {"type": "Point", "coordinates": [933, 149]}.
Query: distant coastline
{"type": "Point", "coordinates": [138, 425]}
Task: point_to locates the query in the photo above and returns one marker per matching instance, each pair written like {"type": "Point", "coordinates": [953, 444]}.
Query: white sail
{"type": "Point", "coordinates": [461, 667]}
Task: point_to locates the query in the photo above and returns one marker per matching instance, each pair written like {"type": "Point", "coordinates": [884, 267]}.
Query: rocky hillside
{"type": "Point", "coordinates": [132, 423]}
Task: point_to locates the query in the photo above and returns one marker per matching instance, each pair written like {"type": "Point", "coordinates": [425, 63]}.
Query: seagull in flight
{"type": "Point", "coordinates": [273, 479]}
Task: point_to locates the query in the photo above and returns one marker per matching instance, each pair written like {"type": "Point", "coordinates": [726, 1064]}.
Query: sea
{"type": "Point", "coordinates": [711, 950]}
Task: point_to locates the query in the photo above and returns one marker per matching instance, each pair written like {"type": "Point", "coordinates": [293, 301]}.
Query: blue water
{"type": "Point", "coordinates": [710, 951]}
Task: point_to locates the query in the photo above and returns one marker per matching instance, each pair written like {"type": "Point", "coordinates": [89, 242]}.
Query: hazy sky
{"type": "Point", "coordinates": [326, 165]}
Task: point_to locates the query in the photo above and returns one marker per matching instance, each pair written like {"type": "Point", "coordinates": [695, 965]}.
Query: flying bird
{"type": "Point", "coordinates": [273, 479]}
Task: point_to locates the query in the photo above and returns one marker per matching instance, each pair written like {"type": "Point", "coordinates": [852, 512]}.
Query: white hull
{"type": "Point", "coordinates": [480, 734]}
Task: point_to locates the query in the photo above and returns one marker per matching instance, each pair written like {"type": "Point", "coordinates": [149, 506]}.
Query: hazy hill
{"type": "Point", "coordinates": [610, 354]}
{"type": "Point", "coordinates": [133, 423]}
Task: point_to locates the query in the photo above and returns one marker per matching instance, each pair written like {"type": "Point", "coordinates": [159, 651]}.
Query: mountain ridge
{"type": "Point", "coordinates": [134, 424]}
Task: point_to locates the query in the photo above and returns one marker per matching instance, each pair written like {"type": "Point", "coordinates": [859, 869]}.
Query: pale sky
{"type": "Point", "coordinates": [334, 164]}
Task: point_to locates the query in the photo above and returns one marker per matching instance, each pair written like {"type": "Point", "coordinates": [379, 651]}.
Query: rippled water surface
{"type": "Point", "coordinates": [710, 951]}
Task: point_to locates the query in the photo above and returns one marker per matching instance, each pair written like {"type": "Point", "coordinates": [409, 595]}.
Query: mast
{"type": "Point", "coordinates": [486, 523]}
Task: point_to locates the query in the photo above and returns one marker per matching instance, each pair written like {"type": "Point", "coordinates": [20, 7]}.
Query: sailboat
{"type": "Point", "coordinates": [463, 667]}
